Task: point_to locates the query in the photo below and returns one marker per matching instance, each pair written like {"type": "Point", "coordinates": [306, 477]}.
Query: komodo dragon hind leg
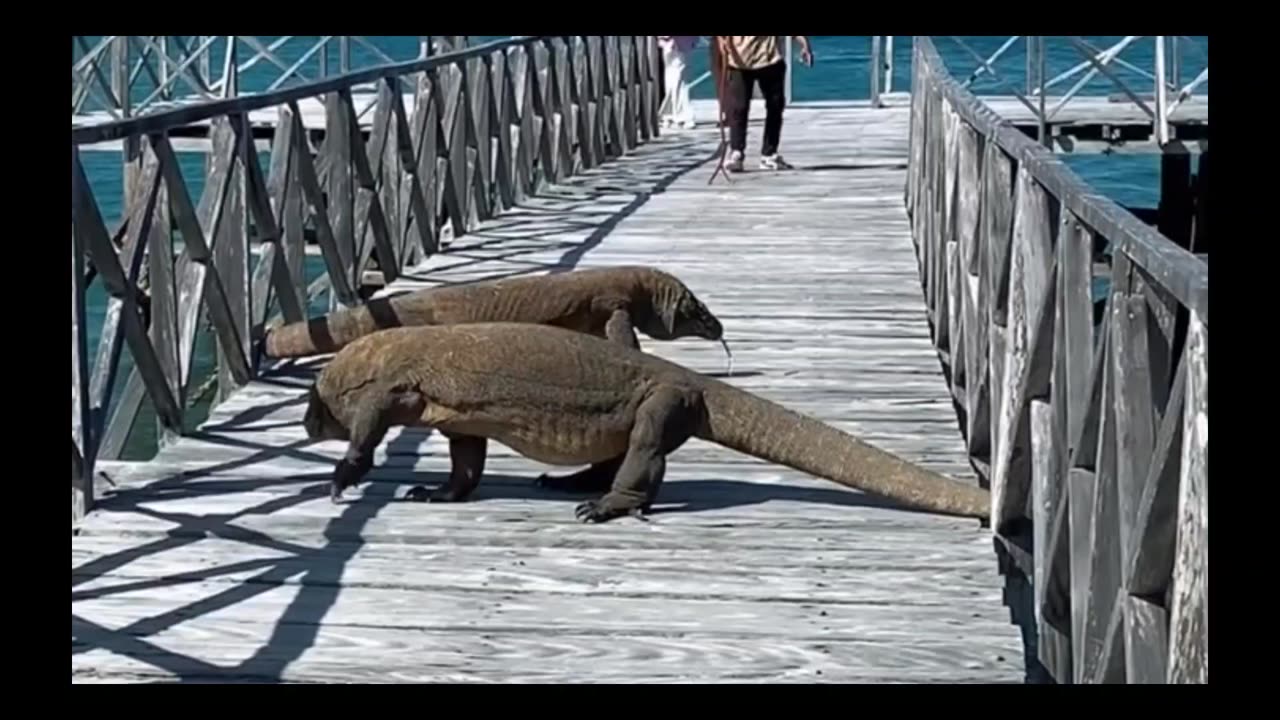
{"type": "Point", "coordinates": [467, 455]}
{"type": "Point", "coordinates": [620, 330]}
{"type": "Point", "coordinates": [375, 411]}
{"type": "Point", "coordinates": [664, 421]}
{"type": "Point", "coordinates": [596, 478]}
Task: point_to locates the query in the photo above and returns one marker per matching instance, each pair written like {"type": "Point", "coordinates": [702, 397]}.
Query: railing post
{"type": "Point", "coordinates": [206, 70]}
{"type": "Point", "coordinates": [1043, 120]}
{"type": "Point", "coordinates": [1162, 95]}
{"type": "Point", "coordinates": [167, 92]}
{"type": "Point", "coordinates": [888, 64]}
{"type": "Point", "coordinates": [790, 63]}
{"type": "Point", "coordinates": [875, 71]}
{"type": "Point", "coordinates": [230, 70]}
{"type": "Point", "coordinates": [344, 53]}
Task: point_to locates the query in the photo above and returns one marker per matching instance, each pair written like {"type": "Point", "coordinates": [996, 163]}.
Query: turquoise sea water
{"type": "Point", "coordinates": [840, 72]}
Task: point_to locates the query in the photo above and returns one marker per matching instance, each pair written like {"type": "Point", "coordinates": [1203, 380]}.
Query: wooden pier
{"type": "Point", "coordinates": [949, 328]}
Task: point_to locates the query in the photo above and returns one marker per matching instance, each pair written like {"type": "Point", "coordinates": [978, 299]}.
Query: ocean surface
{"type": "Point", "coordinates": [840, 72]}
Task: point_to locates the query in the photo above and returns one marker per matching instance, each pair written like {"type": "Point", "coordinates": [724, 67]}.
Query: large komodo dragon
{"type": "Point", "coordinates": [567, 398]}
{"type": "Point", "coordinates": [609, 302]}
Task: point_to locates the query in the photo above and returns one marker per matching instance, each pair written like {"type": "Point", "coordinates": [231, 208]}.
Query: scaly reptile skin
{"type": "Point", "coordinates": [607, 302]}
{"type": "Point", "coordinates": [567, 398]}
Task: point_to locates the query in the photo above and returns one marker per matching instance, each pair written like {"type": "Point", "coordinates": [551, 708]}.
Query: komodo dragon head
{"type": "Point", "coordinates": [676, 312]}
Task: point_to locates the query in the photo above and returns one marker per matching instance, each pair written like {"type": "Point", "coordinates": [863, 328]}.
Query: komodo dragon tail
{"type": "Point", "coordinates": [766, 430]}
{"type": "Point", "coordinates": [330, 333]}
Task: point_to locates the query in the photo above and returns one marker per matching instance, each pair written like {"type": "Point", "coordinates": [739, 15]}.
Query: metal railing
{"type": "Point", "coordinates": [1089, 420]}
{"type": "Point", "coordinates": [488, 126]}
{"type": "Point", "coordinates": [1171, 58]}
{"type": "Point", "coordinates": [123, 76]}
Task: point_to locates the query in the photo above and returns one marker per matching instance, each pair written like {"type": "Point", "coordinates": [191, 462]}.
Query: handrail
{"type": "Point", "coordinates": [166, 119]}
{"type": "Point", "coordinates": [1087, 417]}
{"type": "Point", "coordinates": [1185, 275]}
{"type": "Point", "coordinates": [486, 128]}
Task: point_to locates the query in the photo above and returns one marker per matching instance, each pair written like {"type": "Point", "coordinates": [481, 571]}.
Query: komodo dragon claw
{"type": "Point", "coordinates": [591, 511]}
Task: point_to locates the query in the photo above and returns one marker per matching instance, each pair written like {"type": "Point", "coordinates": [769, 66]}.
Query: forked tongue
{"type": "Point", "coordinates": [725, 344]}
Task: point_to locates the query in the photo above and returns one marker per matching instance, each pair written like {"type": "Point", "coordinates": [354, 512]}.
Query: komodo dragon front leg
{"type": "Point", "coordinates": [619, 329]}
{"type": "Point", "coordinates": [375, 410]}
{"type": "Point", "coordinates": [664, 421]}
{"type": "Point", "coordinates": [467, 455]}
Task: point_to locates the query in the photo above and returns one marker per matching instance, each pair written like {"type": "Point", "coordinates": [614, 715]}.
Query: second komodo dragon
{"type": "Point", "coordinates": [567, 398]}
{"type": "Point", "coordinates": [610, 302]}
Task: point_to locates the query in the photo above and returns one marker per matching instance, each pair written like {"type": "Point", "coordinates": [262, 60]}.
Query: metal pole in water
{"type": "Point", "coordinates": [888, 63]}
{"type": "Point", "coordinates": [1040, 72]}
{"type": "Point", "coordinates": [1162, 119]}
{"type": "Point", "coordinates": [875, 71]}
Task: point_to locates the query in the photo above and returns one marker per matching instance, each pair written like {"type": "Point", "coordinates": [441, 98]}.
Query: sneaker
{"type": "Point", "coordinates": [734, 165]}
{"type": "Point", "coordinates": [774, 162]}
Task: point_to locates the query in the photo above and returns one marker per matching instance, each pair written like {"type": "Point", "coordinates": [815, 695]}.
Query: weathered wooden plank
{"type": "Point", "coordinates": [503, 121]}
{"type": "Point", "coordinates": [957, 342]}
{"type": "Point", "coordinates": [164, 300]}
{"type": "Point", "coordinates": [231, 258]}
{"type": "Point", "coordinates": [946, 236]}
{"type": "Point", "coordinates": [335, 265]}
{"type": "Point", "coordinates": [81, 425]}
{"type": "Point", "coordinates": [141, 205]}
{"type": "Point", "coordinates": [1028, 362]}
{"type": "Point", "coordinates": [1154, 536]}
{"type": "Point", "coordinates": [1104, 574]}
{"type": "Point", "coordinates": [370, 221]}
{"type": "Point", "coordinates": [1146, 642]}
{"type": "Point", "coordinates": [286, 196]}
{"type": "Point", "coordinates": [451, 87]}
{"type": "Point", "coordinates": [1085, 646]}
{"type": "Point", "coordinates": [389, 175]}
{"type": "Point", "coordinates": [1112, 660]}
{"type": "Point", "coordinates": [199, 281]}
{"type": "Point", "coordinates": [87, 222]}
{"type": "Point", "coordinates": [479, 96]}
{"type": "Point", "coordinates": [997, 230]}
{"type": "Point", "coordinates": [424, 135]}
{"type": "Point", "coordinates": [272, 272]}
{"type": "Point", "coordinates": [340, 195]}
{"type": "Point", "coordinates": [1189, 603]}
{"type": "Point", "coordinates": [1046, 491]}
{"type": "Point", "coordinates": [1135, 435]}
{"type": "Point", "coordinates": [1074, 317]}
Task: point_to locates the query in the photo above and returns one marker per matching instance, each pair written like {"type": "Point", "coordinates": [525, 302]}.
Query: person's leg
{"type": "Point", "coordinates": [738, 105]}
{"type": "Point", "coordinates": [670, 75]}
{"type": "Point", "coordinates": [773, 87]}
{"type": "Point", "coordinates": [681, 108]}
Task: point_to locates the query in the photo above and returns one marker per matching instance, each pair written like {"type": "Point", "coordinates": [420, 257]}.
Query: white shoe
{"type": "Point", "coordinates": [734, 165]}
{"type": "Point", "coordinates": [774, 162]}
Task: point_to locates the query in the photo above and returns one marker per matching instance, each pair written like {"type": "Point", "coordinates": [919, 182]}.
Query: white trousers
{"type": "Point", "coordinates": [675, 103]}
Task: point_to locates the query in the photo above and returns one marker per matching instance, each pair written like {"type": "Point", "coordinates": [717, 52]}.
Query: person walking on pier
{"type": "Point", "coordinates": [677, 110]}
{"type": "Point", "coordinates": [748, 60]}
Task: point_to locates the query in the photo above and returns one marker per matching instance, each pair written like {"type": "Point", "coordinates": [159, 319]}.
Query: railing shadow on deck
{"type": "Point", "coordinates": [490, 127]}
{"type": "Point", "coordinates": [1092, 437]}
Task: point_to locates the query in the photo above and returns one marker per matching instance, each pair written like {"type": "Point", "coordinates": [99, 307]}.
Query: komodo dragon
{"type": "Point", "coordinates": [609, 302]}
{"type": "Point", "coordinates": [566, 398]}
